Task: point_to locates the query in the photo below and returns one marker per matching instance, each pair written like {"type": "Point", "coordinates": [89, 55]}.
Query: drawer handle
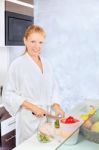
{"type": "Point", "coordinates": [13, 136]}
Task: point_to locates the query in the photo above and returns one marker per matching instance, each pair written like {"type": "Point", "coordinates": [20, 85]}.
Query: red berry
{"type": "Point", "coordinates": [70, 119]}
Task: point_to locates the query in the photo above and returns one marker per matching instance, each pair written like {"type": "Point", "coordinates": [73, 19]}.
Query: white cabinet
{"type": "Point", "coordinates": [22, 7]}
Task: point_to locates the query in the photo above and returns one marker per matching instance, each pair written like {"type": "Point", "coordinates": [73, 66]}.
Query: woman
{"type": "Point", "coordinates": [30, 86]}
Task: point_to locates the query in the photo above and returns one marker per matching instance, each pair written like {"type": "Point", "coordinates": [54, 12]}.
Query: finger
{"type": "Point", "coordinates": [38, 115]}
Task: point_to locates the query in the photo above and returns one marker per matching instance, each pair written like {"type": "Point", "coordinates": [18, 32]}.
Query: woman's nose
{"type": "Point", "coordinates": [37, 45]}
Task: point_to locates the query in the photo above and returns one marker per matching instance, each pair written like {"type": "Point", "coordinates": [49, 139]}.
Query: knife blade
{"type": "Point", "coordinates": [53, 116]}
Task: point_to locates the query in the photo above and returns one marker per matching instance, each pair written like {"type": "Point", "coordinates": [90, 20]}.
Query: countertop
{"type": "Point", "coordinates": [81, 145]}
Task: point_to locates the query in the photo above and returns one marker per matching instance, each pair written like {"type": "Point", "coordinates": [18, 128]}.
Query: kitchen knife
{"type": "Point", "coordinates": [50, 116]}
{"type": "Point", "coordinates": [53, 116]}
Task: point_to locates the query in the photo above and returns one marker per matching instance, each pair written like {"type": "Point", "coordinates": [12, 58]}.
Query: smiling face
{"type": "Point", "coordinates": [33, 39]}
{"type": "Point", "coordinates": [34, 43]}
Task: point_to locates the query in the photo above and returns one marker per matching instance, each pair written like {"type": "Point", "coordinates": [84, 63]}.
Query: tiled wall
{"type": "Point", "coordinates": [72, 45]}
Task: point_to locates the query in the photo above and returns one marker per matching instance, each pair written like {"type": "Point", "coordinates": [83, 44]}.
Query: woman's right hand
{"type": "Point", "coordinates": [38, 111]}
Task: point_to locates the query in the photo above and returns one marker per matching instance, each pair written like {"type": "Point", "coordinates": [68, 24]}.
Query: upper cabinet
{"type": "Point", "coordinates": [27, 1]}
{"type": "Point", "coordinates": [16, 16]}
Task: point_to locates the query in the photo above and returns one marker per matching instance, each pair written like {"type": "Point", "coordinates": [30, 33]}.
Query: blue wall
{"type": "Point", "coordinates": [72, 45]}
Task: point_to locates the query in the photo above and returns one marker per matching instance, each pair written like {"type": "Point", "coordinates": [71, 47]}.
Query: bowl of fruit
{"type": "Point", "coordinates": [70, 123]}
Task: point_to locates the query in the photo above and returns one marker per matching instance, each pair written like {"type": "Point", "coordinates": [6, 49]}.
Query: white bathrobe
{"type": "Point", "coordinates": [26, 82]}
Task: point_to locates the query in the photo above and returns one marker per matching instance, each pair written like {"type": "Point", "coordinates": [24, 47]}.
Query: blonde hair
{"type": "Point", "coordinates": [34, 29]}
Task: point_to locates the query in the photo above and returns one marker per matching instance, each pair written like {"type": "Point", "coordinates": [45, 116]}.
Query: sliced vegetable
{"type": "Point", "coordinates": [43, 138]}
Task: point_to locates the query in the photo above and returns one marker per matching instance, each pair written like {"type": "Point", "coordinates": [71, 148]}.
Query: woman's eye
{"type": "Point", "coordinates": [32, 41]}
{"type": "Point", "coordinates": [37, 42]}
{"type": "Point", "coordinates": [41, 42]}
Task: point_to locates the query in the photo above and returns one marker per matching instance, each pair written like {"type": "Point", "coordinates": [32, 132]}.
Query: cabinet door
{"type": "Point", "coordinates": [22, 7]}
{"type": "Point", "coordinates": [18, 16]}
{"type": "Point", "coordinates": [28, 1]}
{"type": "Point", "coordinates": [16, 25]}
{"type": "Point", "coordinates": [7, 130]}
{"type": "Point", "coordinates": [8, 141]}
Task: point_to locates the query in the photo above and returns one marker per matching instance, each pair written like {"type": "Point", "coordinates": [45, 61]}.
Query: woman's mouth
{"type": "Point", "coordinates": [36, 50]}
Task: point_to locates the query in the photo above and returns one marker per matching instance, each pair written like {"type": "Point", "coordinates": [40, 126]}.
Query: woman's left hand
{"type": "Point", "coordinates": [59, 112]}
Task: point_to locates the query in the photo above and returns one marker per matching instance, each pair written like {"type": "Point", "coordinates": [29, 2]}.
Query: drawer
{"type": "Point", "coordinates": [7, 130]}
{"type": "Point", "coordinates": [7, 125]}
{"type": "Point", "coordinates": [8, 141]}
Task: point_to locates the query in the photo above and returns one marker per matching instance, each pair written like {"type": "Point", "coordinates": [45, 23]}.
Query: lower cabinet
{"type": "Point", "coordinates": [8, 141]}
{"type": "Point", "coordinates": [7, 130]}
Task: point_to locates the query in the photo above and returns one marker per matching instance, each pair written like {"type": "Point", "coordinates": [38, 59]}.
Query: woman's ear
{"type": "Point", "coordinates": [24, 40]}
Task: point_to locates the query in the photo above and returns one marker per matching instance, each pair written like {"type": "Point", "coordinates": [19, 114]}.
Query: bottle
{"type": "Point", "coordinates": [56, 123]}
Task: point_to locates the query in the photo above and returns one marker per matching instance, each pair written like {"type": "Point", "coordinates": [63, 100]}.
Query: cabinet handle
{"type": "Point", "coordinates": [13, 136]}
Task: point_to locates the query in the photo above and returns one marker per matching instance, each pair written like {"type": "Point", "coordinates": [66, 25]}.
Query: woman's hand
{"type": "Point", "coordinates": [58, 110]}
{"type": "Point", "coordinates": [38, 111]}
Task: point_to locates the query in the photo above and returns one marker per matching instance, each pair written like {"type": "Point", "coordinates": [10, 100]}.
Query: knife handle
{"type": "Point", "coordinates": [35, 114]}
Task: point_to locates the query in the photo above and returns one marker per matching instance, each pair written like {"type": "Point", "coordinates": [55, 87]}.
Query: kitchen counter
{"type": "Point", "coordinates": [82, 144]}
{"type": "Point", "coordinates": [33, 143]}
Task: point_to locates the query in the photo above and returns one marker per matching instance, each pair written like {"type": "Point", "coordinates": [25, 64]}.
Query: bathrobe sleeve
{"type": "Point", "coordinates": [11, 99]}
